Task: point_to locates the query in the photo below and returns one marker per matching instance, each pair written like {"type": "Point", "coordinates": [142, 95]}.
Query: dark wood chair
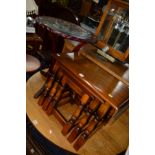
{"type": "Point", "coordinates": [33, 44]}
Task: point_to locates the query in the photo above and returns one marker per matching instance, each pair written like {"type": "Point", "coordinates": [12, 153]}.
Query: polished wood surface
{"type": "Point", "coordinates": [108, 140]}
{"type": "Point", "coordinates": [119, 68]}
{"type": "Point", "coordinates": [116, 69]}
{"type": "Point", "coordinates": [93, 79]}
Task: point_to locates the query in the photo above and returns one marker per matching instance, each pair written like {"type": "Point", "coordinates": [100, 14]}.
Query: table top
{"type": "Point", "coordinates": [112, 139]}
{"type": "Point", "coordinates": [94, 79]}
{"type": "Point", "coordinates": [66, 29]}
{"type": "Point", "coordinates": [118, 69]}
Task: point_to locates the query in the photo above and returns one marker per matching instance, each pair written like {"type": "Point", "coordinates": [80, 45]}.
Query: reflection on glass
{"type": "Point", "coordinates": [114, 33]}
{"type": "Point", "coordinates": [64, 27]}
{"type": "Point", "coordinates": [123, 40]}
{"type": "Point", "coordinates": [119, 38]}
{"type": "Point", "coordinates": [117, 28]}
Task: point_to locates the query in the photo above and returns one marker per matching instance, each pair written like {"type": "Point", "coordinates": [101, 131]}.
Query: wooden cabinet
{"type": "Point", "coordinates": [113, 29]}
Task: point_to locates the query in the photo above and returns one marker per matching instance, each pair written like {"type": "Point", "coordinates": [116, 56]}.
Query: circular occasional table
{"type": "Point", "coordinates": [67, 30]}
{"type": "Point", "coordinates": [105, 139]}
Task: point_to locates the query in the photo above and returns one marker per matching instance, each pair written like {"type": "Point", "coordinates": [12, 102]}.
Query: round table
{"type": "Point", "coordinates": [67, 30]}
{"type": "Point", "coordinates": [107, 139]}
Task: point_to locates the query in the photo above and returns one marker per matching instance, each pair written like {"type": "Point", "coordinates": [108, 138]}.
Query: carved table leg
{"type": "Point", "coordinates": [65, 97]}
{"type": "Point", "coordinates": [48, 82]}
{"type": "Point", "coordinates": [75, 115]}
{"type": "Point", "coordinates": [57, 96]}
{"type": "Point", "coordinates": [53, 90]}
{"type": "Point", "coordinates": [84, 120]}
{"type": "Point", "coordinates": [104, 107]}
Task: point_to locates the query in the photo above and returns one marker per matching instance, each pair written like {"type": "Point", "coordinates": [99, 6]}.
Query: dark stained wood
{"type": "Point", "coordinates": [34, 41]}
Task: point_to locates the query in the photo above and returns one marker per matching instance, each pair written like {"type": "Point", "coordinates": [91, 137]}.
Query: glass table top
{"type": "Point", "coordinates": [61, 26]}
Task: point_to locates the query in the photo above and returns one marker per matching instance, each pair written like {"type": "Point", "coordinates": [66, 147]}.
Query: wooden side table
{"type": "Point", "coordinates": [103, 94]}
{"type": "Point", "coordinates": [95, 80]}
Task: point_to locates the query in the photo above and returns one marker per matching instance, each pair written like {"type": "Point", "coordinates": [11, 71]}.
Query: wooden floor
{"type": "Point", "coordinates": [109, 140]}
